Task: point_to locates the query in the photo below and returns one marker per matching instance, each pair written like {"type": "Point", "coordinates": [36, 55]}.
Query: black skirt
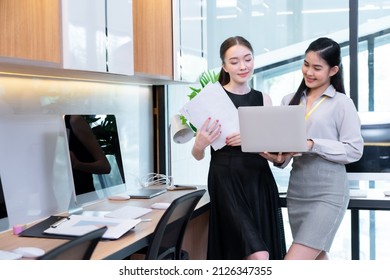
{"type": "Point", "coordinates": [245, 215]}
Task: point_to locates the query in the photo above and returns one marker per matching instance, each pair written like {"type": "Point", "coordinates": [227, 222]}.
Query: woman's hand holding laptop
{"type": "Point", "coordinates": [276, 158]}
{"type": "Point", "coordinates": [280, 158]}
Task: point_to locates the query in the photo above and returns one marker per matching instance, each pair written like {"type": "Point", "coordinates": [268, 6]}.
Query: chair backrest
{"type": "Point", "coordinates": [168, 236]}
{"type": "Point", "coordinates": [80, 248]}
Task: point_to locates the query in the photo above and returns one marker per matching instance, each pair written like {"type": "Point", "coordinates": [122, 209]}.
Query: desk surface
{"type": "Point", "coordinates": [128, 244]}
{"type": "Point", "coordinates": [374, 200]}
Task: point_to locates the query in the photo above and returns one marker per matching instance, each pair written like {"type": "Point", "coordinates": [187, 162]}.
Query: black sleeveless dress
{"type": "Point", "coordinates": [245, 216]}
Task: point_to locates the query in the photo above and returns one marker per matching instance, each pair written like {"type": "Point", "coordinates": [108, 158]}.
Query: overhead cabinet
{"type": "Point", "coordinates": [88, 35]}
{"type": "Point", "coordinates": [98, 35]}
{"type": "Point", "coordinates": [30, 30]}
{"type": "Point", "coordinates": [170, 38]}
{"type": "Point", "coordinates": [162, 40]}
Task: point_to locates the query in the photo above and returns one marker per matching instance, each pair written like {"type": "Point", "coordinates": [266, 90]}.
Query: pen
{"type": "Point", "coordinates": [56, 224]}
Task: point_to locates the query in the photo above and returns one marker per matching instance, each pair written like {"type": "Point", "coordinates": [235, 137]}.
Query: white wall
{"type": "Point", "coordinates": [131, 104]}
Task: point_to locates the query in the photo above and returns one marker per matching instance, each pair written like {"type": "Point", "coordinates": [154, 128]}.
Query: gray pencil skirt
{"type": "Point", "coordinates": [317, 199]}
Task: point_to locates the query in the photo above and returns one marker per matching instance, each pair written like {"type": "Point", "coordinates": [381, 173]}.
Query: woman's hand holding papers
{"type": "Point", "coordinates": [205, 136]}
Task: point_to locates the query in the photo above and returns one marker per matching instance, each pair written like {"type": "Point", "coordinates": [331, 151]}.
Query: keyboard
{"type": "Point", "coordinates": [128, 212]}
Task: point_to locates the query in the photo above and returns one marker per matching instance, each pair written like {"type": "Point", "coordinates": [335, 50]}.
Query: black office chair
{"type": "Point", "coordinates": [80, 248]}
{"type": "Point", "coordinates": [167, 239]}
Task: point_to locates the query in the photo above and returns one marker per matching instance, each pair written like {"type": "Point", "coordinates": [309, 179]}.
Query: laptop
{"type": "Point", "coordinates": [272, 128]}
{"type": "Point", "coordinates": [146, 192]}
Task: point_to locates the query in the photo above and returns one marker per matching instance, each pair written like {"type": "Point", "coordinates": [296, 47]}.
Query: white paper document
{"type": "Point", "coordinates": [77, 225]}
{"type": "Point", "coordinates": [128, 212]}
{"type": "Point", "coordinates": [213, 102]}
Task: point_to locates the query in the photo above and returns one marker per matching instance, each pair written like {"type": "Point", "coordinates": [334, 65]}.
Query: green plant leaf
{"type": "Point", "coordinates": [194, 92]}
{"type": "Point", "coordinates": [183, 119]}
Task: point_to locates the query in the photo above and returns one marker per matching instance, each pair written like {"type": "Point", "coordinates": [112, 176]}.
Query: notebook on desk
{"type": "Point", "coordinates": [272, 128]}
{"type": "Point", "coordinates": [146, 192]}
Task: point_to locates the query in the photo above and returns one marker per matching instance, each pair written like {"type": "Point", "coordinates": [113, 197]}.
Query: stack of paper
{"type": "Point", "coordinates": [213, 102]}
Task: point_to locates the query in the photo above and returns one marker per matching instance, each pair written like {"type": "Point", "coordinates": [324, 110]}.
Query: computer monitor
{"type": "Point", "coordinates": [34, 166]}
{"type": "Point", "coordinates": [4, 223]}
{"type": "Point", "coordinates": [375, 162]}
{"type": "Point", "coordinates": [95, 156]}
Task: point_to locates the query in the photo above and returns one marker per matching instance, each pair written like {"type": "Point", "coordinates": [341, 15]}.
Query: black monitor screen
{"type": "Point", "coordinates": [375, 160]}
{"type": "Point", "coordinates": [4, 222]}
{"type": "Point", "coordinates": [3, 209]}
{"type": "Point", "coordinates": [95, 154]}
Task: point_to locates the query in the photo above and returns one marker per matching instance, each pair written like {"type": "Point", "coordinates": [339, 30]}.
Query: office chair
{"type": "Point", "coordinates": [80, 248]}
{"type": "Point", "coordinates": [168, 236]}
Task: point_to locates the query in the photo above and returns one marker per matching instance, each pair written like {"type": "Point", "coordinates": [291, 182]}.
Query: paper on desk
{"type": "Point", "coordinates": [213, 102]}
{"type": "Point", "coordinates": [78, 225]}
{"type": "Point", "coordinates": [128, 212]}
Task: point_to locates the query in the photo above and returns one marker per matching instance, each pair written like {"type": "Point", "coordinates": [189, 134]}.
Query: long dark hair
{"type": "Point", "coordinates": [224, 78]}
{"type": "Point", "coordinates": [329, 51]}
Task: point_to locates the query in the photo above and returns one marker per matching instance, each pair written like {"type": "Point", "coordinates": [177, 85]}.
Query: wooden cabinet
{"type": "Point", "coordinates": [87, 35]}
{"type": "Point", "coordinates": [30, 30]}
{"type": "Point", "coordinates": [138, 38]}
{"type": "Point", "coordinates": [169, 39]}
{"type": "Point", "coordinates": [153, 38]}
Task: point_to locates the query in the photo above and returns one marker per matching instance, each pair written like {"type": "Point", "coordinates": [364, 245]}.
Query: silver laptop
{"type": "Point", "coordinates": [272, 128]}
{"type": "Point", "coordinates": [146, 192]}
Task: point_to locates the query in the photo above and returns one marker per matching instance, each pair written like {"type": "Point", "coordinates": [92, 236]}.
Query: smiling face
{"type": "Point", "coordinates": [317, 72]}
{"type": "Point", "coordinates": [239, 63]}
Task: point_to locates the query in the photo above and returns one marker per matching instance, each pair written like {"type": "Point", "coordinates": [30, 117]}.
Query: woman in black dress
{"type": "Point", "coordinates": [245, 217]}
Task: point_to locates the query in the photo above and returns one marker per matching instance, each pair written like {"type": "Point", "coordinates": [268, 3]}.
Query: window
{"type": "Point", "coordinates": [280, 32]}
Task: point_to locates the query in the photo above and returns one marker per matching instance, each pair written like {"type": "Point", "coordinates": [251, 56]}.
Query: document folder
{"type": "Point", "coordinates": [78, 225]}
{"type": "Point", "coordinates": [62, 227]}
{"type": "Point", "coordinates": [37, 229]}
